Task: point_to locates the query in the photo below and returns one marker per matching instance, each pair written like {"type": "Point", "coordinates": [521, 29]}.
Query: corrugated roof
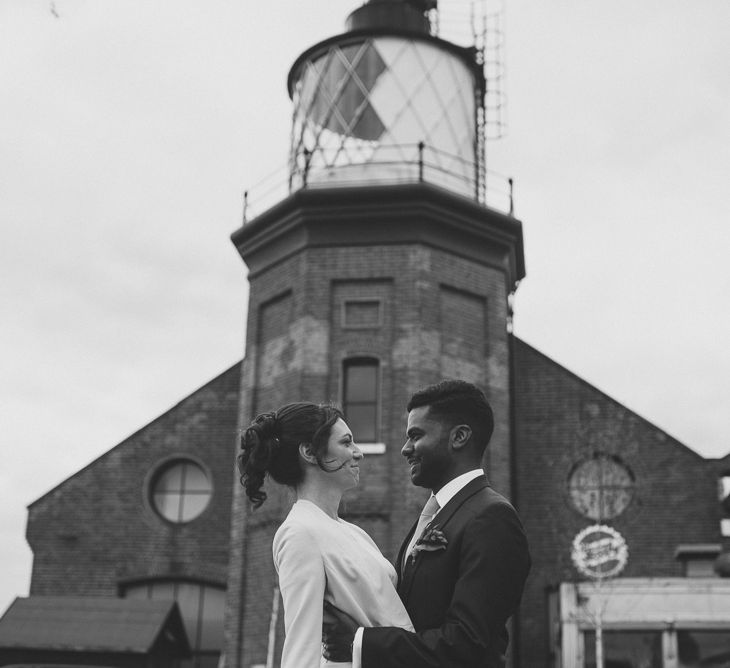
{"type": "Point", "coordinates": [89, 624]}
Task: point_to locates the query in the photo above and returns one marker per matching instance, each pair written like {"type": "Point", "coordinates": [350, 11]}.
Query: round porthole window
{"type": "Point", "coordinates": [180, 490]}
{"type": "Point", "coordinates": [601, 487]}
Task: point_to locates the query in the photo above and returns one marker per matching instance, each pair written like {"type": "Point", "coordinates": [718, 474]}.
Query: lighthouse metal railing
{"type": "Point", "coordinates": [415, 163]}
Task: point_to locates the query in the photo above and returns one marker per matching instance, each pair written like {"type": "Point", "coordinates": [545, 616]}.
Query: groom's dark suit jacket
{"type": "Point", "coordinates": [459, 598]}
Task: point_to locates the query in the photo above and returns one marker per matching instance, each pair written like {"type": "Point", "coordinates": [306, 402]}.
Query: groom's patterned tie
{"type": "Point", "coordinates": [427, 514]}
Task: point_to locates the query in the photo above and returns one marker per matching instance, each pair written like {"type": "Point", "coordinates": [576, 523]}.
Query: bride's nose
{"type": "Point", "coordinates": [357, 453]}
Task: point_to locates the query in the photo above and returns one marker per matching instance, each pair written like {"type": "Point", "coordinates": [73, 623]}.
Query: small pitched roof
{"type": "Point", "coordinates": [90, 624]}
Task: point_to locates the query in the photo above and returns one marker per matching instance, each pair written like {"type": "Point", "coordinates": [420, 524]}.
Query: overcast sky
{"type": "Point", "coordinates": [130, 129]}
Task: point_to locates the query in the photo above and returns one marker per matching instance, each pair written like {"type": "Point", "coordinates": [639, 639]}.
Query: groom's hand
{"type": "Point", "coordinates": [338, 632]}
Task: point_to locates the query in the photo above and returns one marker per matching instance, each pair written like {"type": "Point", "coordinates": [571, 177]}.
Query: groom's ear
{"type": "Point", "coordinates": [460, 436]}
{"type": "Point", "coordinates": [307, 453]}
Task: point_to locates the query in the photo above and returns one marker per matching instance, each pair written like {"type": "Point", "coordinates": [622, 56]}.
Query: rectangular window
{"type": "Point", "coordinates": [703, 648]}
{"type": "Point", "coordinates": [640, 617]}
{"type": "Point", "coordinates": [361, 313]}
{"type": "Point", "coordinates": [628, 649]}
{"type": "Point", "coordinates": [360, 399]}
{"type": "Point", "coordinates": [698, 559]}
{"type": "Point", "coordinates": [700, 568]}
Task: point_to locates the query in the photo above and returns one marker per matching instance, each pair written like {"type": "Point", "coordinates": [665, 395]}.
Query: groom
{"type": "Point", "coordinates": [462, 567]}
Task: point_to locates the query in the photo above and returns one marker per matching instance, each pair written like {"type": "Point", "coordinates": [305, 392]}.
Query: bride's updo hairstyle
{"type": "Point", "coordinates": [270, 445]}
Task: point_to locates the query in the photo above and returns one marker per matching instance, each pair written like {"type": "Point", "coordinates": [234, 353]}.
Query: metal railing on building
{"type": "Point", "coordinates": [415, 163]}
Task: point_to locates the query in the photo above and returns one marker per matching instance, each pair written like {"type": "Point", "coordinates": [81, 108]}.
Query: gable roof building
{"type": "Point", "coordinates": [574, 447]}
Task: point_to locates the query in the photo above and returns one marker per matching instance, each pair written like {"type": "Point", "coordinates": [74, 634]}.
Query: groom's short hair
{"type": "Point", "coordinates": [458, 402]}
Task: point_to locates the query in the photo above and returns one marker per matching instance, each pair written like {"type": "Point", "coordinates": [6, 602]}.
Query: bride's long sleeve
{"type": "Point", "coordinates": [302, 581]}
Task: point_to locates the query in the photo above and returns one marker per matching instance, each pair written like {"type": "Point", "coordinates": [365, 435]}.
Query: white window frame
{"type": "Point", "coordinates": [639, 604]}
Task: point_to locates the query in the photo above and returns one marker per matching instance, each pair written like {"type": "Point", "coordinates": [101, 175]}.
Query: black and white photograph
{"type": "Point", "coordinates": [370, 333]}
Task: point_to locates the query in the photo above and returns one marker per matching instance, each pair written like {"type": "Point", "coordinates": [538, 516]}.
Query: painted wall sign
{"type": "Point", "coordinates": [599, 551]}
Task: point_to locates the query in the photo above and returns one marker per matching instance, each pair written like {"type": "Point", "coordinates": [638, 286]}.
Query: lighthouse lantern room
{"type": "Point", "coordinates": [386, 102]}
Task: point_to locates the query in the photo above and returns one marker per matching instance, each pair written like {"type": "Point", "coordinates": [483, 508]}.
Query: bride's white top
{"type": "Point", "coordinates": [320, 558]}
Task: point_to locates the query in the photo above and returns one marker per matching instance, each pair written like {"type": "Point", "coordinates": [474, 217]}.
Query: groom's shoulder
{"type": "Point", "coordinates": [487, 499]}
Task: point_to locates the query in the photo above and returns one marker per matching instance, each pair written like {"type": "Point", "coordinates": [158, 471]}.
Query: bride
{"type": "Point", "coordinates": [318, 556]}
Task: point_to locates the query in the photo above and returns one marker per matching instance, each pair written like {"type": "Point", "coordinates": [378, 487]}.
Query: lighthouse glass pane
{"type": "Point", "coordinates": [362, 109]}
{"type": "Point", "coordinates": [625, 649]}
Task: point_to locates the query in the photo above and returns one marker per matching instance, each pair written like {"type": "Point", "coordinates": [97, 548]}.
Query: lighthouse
{"type": "Point", "coordinates": [386, 102]}
{"type": "Point", "coordinates": [382, 269]}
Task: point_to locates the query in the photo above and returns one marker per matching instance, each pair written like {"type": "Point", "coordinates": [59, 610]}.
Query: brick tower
{"type": "Point", "coordinates": [383, 270]}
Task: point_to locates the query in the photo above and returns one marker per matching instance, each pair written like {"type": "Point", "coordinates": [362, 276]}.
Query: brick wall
{"type": "Point", "coordinates": [560, 420]}
{"type": "Point", "coordinates": [441, 316]}
{"type": "Point", "coordinates": [98, 529]}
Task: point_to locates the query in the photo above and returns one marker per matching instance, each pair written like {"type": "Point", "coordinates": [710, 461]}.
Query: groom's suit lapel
{"type": "Point", "coordinates": [442, 518]}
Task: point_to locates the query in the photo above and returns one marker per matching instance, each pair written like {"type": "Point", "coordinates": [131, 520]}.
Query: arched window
{"type": "Point", "coordinates": [201, 607]}
{"type": "Point", "coordinates": [361, 397]}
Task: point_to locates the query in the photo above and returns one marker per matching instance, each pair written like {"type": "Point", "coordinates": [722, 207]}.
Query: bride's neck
{"type": "Point", "coordinates": [326, 499]}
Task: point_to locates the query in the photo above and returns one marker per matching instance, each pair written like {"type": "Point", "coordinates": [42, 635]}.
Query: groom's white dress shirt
{"type": "Point", "coordinates": [443, 496]}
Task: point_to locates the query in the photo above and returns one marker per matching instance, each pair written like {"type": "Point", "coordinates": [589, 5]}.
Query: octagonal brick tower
{"type": "Point", "coordinates": [380, 272]}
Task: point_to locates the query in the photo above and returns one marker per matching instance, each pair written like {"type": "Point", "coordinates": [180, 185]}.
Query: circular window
{"type": "Point", "coordinates": [601, 487]}
{"type": "Point", "coordinates": [180, 490]}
